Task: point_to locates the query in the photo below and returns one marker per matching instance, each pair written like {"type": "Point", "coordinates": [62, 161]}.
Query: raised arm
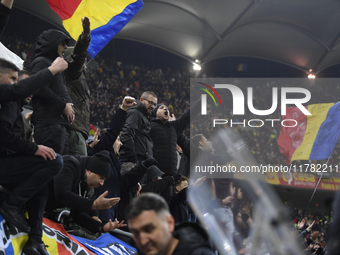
{"type": "Point", "coordinates": [78, 57]}
{"type": "Point", "coordinates": [116, 125]}
{"type": "Point", "coordinates": [26, 87]}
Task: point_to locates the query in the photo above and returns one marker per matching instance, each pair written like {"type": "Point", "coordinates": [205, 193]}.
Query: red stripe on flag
{"type": "Point", "coordinates": [64, 8]}
{"type": "Point", "coordinates": [291, 137]}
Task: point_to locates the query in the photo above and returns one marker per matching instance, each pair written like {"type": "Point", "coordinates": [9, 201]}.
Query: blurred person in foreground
{"type": "Point", "coordinates": [153, 229]}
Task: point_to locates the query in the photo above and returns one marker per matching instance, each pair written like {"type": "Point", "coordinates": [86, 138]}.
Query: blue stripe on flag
{"type": "Point", "coordinates": [103, 35]}
{"type": "Point", "coordinates": [328, 135]}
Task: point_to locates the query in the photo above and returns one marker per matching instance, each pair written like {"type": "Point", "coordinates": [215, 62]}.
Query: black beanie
{"type": "Point", "coordinates": [153, 173]}
{"type": "Point", "coordinates": [99, 163]}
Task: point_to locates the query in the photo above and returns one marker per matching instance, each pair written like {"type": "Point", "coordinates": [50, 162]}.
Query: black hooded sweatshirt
{"type": "Point", "coordinates": [50, 101]}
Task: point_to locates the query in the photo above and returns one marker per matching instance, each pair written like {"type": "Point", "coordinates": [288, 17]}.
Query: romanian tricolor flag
{"type": "Point", "coordinates": [107, 18]}
{"type": "Point", "coordinates": [55, 237]}
{"type": "Point", "coordinates": [314, 137]}
{"type": "Point", "coordinates": [242, 67]}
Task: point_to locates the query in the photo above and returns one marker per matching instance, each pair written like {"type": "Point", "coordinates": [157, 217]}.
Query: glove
{"type": "Point", "coordinates": [177, 177]}
{"type": "Point", "coordinates": [149, 162]}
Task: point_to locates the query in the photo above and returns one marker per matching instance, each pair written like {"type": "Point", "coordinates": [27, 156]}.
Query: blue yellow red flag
{"type": "Point", "coordinates": [107, 18]}
{"type": "Point", "coordinates": [314, 136]}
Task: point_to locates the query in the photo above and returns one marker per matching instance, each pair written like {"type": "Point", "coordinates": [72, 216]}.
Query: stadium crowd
{"type": "Point", "coordinates": [127, 102]}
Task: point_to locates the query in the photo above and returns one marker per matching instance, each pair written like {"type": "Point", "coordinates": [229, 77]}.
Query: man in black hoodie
{"type": "Point", "coordinates": [52, 105]}
{"type": "Point", "coordinates": [154, 230]}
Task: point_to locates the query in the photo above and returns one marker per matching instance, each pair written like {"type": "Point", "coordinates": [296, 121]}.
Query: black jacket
{"type": "Point", "coordinates": [77, 86]}
{"type": "Point", "coordinates": [50, 101]}
{"type": "Point", "coordinates": [192, 240]}
{"type": "Point", "coordinates": [179, 207]}
{"type": "Point", "coordinates": [135, 135]}
{"type": "Point", "coordinates": [164, 137]}
{"type": "Point", "coordinates": [10, 114]}
{"type": "Point", "coordinates": [131, 179]}
{"type": "Point", "coordinates": [71, 190]}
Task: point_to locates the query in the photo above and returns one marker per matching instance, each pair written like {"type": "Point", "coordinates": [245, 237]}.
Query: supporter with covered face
{"type": "Point", "coordinates": [52, 105]}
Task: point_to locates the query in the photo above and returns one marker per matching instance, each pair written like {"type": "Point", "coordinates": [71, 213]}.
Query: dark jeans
{"type": "Point", "coordinates": [53, 136]}
{"type": "Point", "coordinates": [29, 176]}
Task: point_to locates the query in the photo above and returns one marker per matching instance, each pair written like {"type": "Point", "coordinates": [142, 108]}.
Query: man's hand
{"type": "Point", "coordinates": [239, 193]}
{"type": "Point", "coordinates": [301, 223]}
{"type": "Point", "coordinates": [232, 189]}
{"type": "Point", "coordinates": [95, 140]}
{"type": "Point", "coordinates": [199, 181]}
{"type": "Point", "coordinates": [227, 200]}
{"type": "Point", "coordinates": [96, 218]}
{"type": "Point", "coordinates": [113, 225]}
{"type": "Point", "coordinates": [69, 112]}
{"type": "Point", "coordinates": [172, 117]}
{"type": "Point", "coordinates": [7, 3]}
{"type": "Point", "coordinates": [310, 226]}
{"type": "Point", "coordinates": [58, 65]}
{"type": "Point", "coordinates": [45, 152]}
{"type": "Point", "coordinates": [102, 203]}
{"type": "Point", "coordinates": [86, 26]}
{"type": "Point", "coordinates": [128, 102]}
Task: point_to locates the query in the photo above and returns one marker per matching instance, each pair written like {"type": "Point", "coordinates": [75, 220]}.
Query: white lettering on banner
{"type": "Point", "coordinates": [238, 100]}
{"type": "Point", "coordinates": [112, 247]}
{"type": "Point", "coordinates": [261, 123]}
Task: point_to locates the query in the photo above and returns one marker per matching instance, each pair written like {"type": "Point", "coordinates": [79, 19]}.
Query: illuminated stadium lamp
{"type": "Point", "coordinates": [311, 76]}
{"type": "Point", "coordinates": [197, 67]}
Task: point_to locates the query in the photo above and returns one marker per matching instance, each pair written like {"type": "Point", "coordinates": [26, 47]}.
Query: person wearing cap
{"type": "Point", "coordinates": [73, 188]}
{"type": "Point", "coordinates": [52, 105]}
{"type": "Point", "coordinates": [79, 91]}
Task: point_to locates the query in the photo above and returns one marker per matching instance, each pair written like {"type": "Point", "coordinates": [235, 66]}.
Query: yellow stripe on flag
{"type": "Point", "coordinates": [19, 242]}
{"type": "Point", "coordinates": [51, 244]}
{"type": "Point", "coordinates": [99, 13]}
{"type": "Point", "coordinates": [314, 121]}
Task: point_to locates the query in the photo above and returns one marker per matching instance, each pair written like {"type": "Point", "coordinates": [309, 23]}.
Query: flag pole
{"type": "Point", "coordinates": [317, 185]}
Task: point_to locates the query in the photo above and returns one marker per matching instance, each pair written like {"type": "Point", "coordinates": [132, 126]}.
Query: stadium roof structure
{"type": "Point", "coordinates": [304, 34]}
